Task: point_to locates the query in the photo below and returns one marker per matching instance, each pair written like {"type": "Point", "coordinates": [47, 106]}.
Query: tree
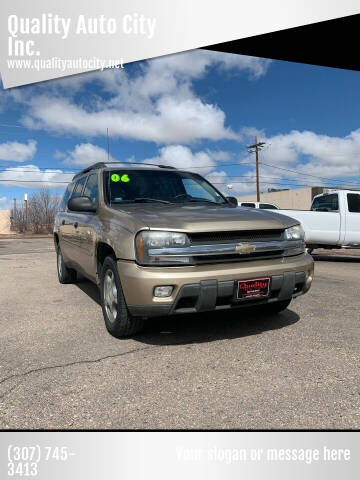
{"type": "Point", "coordinates": [39, 215]}
{"type": "Point", "coordinates": [42, 209]}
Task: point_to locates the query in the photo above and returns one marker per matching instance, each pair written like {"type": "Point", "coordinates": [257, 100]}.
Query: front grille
{"type": "Point", "coordinates": [206, 259]}
{"type": "Point", "coordinates": [236, 236]}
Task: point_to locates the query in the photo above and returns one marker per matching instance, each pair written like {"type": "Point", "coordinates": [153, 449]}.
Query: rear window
{"type": "Point", "coordinates": [353, 202]}
{"type": "Point", "coordinates": [245, 204]}
{"type": "Point", "coordinates": [267, 206]}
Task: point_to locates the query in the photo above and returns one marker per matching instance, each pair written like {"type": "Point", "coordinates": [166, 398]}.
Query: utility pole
{"type": "Point", "coordinates": [255, 149]}
{"type": "Point", "coordinates": [26, 209]}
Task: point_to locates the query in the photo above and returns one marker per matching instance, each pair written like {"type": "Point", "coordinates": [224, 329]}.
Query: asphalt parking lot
{"type": "Point", "coordinates": [60, 369]}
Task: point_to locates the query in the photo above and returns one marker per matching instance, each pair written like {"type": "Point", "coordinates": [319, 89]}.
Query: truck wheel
{"type": "Point", "coordinates": [65, 274]}
{"type": "Point", "coordinates": [277, 307]}
{"type": "Point", "coordinates": [117, 318]}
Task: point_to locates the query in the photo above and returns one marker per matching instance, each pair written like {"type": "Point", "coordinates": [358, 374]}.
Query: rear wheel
{"type": "Point", "coordinates": [117, 318]}
{"type": "Point", "coordinates": [65, 274]}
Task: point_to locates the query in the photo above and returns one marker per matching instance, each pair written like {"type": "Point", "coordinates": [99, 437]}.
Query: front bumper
{"type": "Point", "coordinates": [210, 287]}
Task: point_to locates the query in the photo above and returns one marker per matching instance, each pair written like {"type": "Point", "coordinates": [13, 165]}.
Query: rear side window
{"type": "Point", "coordinates": [353, 202]}
{"type": "Point", "coordinates": [91, 189]}
{"type": "Point", "coordinates": [267, 206]}
{"type": "Point", "coordinates": [245, 204]}
{"type": "Point", "coordinates": [65, 199]}
{"type": "Point", "coordinates": [326, 203]}
{"type": "Point", "coordinates": [78, 187]}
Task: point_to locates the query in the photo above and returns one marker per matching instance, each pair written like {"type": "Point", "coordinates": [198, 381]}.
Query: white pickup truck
{"type": "Point", "coordinates": [333, 220]}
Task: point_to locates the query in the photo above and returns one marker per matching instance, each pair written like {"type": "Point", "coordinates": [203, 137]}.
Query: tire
{"type": "Point", "coordinates": [277, 307]}
{"type": "Point", "coordinates": [65, 274]}
{"type": "Point", "coordinates": [118, 320]}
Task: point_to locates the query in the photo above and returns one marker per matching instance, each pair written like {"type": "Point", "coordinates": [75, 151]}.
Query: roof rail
{"type": "Point", "coordinates": [88, 169]}
{"type": "Point", "coordinates": [103, 164]}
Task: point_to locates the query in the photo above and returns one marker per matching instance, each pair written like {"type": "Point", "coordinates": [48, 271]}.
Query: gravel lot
{"type": "Point", "coordinates": [59, 368]}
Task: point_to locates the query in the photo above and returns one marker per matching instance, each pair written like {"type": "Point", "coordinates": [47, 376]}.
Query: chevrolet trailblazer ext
{"type": "Point", "coordinates": [160, 241]}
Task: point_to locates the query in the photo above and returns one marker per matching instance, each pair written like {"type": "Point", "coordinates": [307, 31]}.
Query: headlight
{"type": "Point", "coordinates": [297, 245]}
{"type": "Point", "coordinates": [151, 247]}
{"type": "Point", "coordinates": [295, 233]}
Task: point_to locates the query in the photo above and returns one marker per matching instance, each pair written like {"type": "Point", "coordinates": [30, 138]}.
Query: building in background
{"type": "Point", "coordinates": [4, 222]}
{"type": "Point", "coordinates": [297, 199]}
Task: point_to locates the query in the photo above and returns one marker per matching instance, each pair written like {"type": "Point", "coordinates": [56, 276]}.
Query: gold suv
{"type": "Point", "coordinates": [161, 241]}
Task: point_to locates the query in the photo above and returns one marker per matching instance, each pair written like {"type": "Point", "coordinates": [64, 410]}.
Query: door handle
{"type": "Point", "coordinates": [63, 222]}
{"type": "Point", "coordinates": [76, 224]}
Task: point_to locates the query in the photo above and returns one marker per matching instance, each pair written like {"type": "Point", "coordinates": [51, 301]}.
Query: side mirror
{"type": "Point", "coordinates": [81, 204]}
{"type": "Point", "coordinates": [233, 201]}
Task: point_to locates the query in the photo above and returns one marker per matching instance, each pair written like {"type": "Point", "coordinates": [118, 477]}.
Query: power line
{"type": "Point", "coordinates": [26, 170]}
{"type": "Point", "coordinates": [73, 171]}
{"type": "Point", "coordinates": [5, 167]}
{"type": "Point", "coordinates": [284, 182]}
{"type": "Point", "coordinates": [214, 183]}
{"type": "Point", "coordinates": [298, 173]}
{"type": "Point", "coordinates": [13, 126]}
{"type": "Point", "coordinates": [52, 170]}
{"type": "Point", "coordinates": [274, 183]}
{"type": "Point", "coordinates": [284, 178]}
{"type": "Point", "coordinates": [30, 181]}
{"type": "Point", "coordinates": [257, 146]}
{"type": "Point", "coordinates": [49, 170]}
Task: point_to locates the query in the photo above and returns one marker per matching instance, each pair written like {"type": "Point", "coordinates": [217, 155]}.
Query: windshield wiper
{"type": "Point", "coordinates": [141, 200]}
{"type": "Point", "coordinates": [145, 200]}
{"type": "Point", "coordinates": [203, 200]}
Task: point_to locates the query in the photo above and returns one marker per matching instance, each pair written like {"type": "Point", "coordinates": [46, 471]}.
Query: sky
{"type": "Point", "coordinates": [197, 110]}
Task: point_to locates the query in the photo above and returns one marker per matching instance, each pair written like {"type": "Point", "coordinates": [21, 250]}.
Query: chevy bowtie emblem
{"type": "Point", "coordinates": [244, 248]}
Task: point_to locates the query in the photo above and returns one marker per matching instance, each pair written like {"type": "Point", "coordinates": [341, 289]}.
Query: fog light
{"type": "Point", "coordinates": [163, 291]}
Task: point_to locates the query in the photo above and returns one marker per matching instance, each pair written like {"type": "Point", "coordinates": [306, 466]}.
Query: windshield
{"type": "Point", "coordinates": [131, 186]}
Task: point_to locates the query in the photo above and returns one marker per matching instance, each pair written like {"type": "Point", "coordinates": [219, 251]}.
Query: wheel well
{"type": "Point", "coordinates": [56, 240]}
{"type": "Point", "coordinates": [104, 250]}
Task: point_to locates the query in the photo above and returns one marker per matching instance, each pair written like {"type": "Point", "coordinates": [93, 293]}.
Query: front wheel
{"type": "Point", "coordinates": [65, 274]}
{"type": "Point", "coordinates": [117, 318]}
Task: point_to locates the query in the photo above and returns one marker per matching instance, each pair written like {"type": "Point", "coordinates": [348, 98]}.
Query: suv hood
{"type": "Point", "coordinates": [202, 218]}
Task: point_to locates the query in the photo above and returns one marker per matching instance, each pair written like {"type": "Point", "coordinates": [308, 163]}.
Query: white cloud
{"type": "Point", "coordinates": [220, 155]}
{"type": "Point", "coordinates": [30, 176]}
{"type": "Point", "coordinates": [4, 203]}
{"type": "Point", "coordinates": [157, 104]}
{"type": "Point", "coordinates": [312, 153]}
{"type": "Point", "coordinates": [238, 186]}
{"type": "Point", "coordinates": [170, 122]}
{"type": "Point", "coordinates": [17, 152]}
{"type": "Point", "coordinates": [85, 154]}
{"type": "Point", "coordinates": [179, 156]}
{"type": "Point", "coordinates": [194, 63]}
